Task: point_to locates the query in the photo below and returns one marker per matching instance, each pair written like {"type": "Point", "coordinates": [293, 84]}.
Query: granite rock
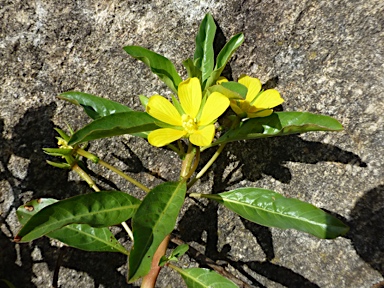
{"type": "Point", "coordinates": [325, 57]}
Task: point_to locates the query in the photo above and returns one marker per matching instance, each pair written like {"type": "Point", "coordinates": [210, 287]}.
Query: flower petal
{"type": "Point", "coordinates": [268, 99]}
{"type": "Point", "coordinates": [161, 109]}
{"type": "Point", "coordinates": [235, 107]}
{"type": "Point", "coordinates": [203, 137]}
{"type": "Point", "coordinates": [215, 105]}
{"type": "Point", "coordinates": [190, 96]}
{"type": "Point", "coordinates": [253, 85]}
{"type": "Point", "coordinates": [164, 136]}
{"type": "Point", "coordinates": [221, 79]}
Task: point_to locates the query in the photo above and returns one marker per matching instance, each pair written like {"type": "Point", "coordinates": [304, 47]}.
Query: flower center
{"type": "Point", "coordinates": [188, 123]}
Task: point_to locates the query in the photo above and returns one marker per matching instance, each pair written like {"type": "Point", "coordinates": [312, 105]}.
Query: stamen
{"type": "Point", "coordinates": [188, 123]}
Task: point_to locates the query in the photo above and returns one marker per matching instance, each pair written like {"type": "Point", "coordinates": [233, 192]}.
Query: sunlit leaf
{"type": "Point", "coordinates": [133, 122]}
{"type": "Point", "coordinates": [99, 209]}
{"type": "Point", "coordinates": [268, 208]}
{"type": "Point", "coordinates": [223, 58]}
{"type": "Point", "coordinates": [158, 64]}
{"type": "Point", "coordinates": [280, 124]}
{"type": "Point", "coordinates": [153, 221]}
{"type": "Point", "coordinates": [204, 278]}
{"type": "Point", "coordinates": [79, 236]}
{"type": "Point", "coordinates": [204, 54]}
{"type": "Point", "coordinates": [94, 106]}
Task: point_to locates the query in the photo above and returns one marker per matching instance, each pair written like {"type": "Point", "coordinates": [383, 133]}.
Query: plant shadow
{"type": "Point", "coordinates": [33, 132]}
{"type": "Point", "coordinates": [253, 155]}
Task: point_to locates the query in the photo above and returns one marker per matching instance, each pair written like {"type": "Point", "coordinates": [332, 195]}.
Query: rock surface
{"type": "Point", "coordinates": [325, 57]}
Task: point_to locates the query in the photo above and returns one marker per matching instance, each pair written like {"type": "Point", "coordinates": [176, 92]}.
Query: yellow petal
{"type": "Point", "coordinates": [203, 137]}
{"type": "Point", "coordinates": [221, 80]}
{"type": "Point", "coordinates": [215, 105]}
{"type": "Point", "coordinates": [261, 113]}
{"type": "Point", "coordinates": [190, 96]}
{"type": "Point", "coordinates": [161, 109]}
{"type": "Point", "coordinates": [164, 136]}
{"type": "Point", "coordinates": [268, 99]}
{"type": "Point", "coordinates": [253, 85]}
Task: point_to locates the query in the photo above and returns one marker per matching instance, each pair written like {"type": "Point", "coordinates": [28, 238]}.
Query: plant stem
{"type": "Point", "coordinates": [206, 167]}
{"type": "Point", "coordinates": [93, 185]}
{"type": "Point", "coordinates": [95, 159]}
{"type": "Point", "coordinates": [204, 260]}
{"type": "Point", "coordinates": [149, 280]}
{"type": "Point", "coordinates": [125, 176]}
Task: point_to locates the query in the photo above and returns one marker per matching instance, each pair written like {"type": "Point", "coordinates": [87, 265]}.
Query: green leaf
{"type": "Point", "coordinates": [99, 209]}
{"type": "Point", "coordinates": [223, 58]}
{"type": "Point", "coordinates": [180, 250]}
{"type": "Point", "coordinates": [271, 209]}
{"type": "Point", "coordinates": [144, 101]}
{"type": "Point", "coordinates": [236, 88]}
{"type": "Point", "coordinates": [58, 151]}
{"type": "Point", "coordinates": [79, 236]}
{"type": "Point", "coordinates": [204, 54]}
{"type": "Point", "coordinates": [153, 221]}
{"type": "Point", "coordinates": [230, 94]}
{"type": "Point", "coordinates": [204, 278]}
{"type": "Point", "coordinates": [280, 124]}
{"type": "Point", "coordinates": [158, 64]}
{"type": "Point", "coordinates": [133, 122]}
{"type": "Point", "coordinates": [192, 70]}
{"type": "Point", "coordinates": [94, 106]}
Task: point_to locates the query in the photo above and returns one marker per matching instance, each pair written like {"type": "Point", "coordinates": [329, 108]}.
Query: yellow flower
{"type": "Point", "coordinates": [189, 123]}
{"type": "Point", "coordinates": [256, 103]}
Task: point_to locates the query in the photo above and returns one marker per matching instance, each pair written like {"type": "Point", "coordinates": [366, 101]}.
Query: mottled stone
{"type": "Point", "coordinates": [325, 57]}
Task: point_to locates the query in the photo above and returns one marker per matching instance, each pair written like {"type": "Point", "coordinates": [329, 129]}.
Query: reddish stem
{"type": "Point", "coordinates": [149, 280]}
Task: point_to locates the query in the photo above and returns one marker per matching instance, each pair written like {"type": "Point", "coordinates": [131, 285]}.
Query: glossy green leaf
{"type": "Point", "coordinates": [133, 122]}
{"type": "Point", "coordinates": [280, 124]}
{"type": "Point", "coordinates": [271, 209]}
{"type": "Point", "coordinates": [230, 94]}
{"type": "Point", "coordinates": [192, 70]}
{"type": "Point", "coordinates": [99, 209]}
{"type": "Point", "coordinates": [94, 106]}
{"type": "Point", "coordinates": [158, 64]}
{"type": "Point", "coordinates": [204, 278]}
{"type": "Point", "coordinates": [236, 87]}
{"type": "Point", "coordinates": [204, 54]}
{"type": "Point", "coordinates": [223, 58]}
{"type": "Point", "coordinates": [153, 221]}
{"type": "Point", "coordinates": [79, 236]}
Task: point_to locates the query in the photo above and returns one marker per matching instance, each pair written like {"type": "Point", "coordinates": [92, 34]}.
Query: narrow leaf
{"type": "Point", "coordinates": [271, 209]}
{"type": "Point", "coordinates": [79, 236]}
{"type": "Point", "coordinates": [158, 64]}
{"type": "Point", "coordinates": [133, 122]}
{"type": "Point", "coordinates": [99, 209]}
{"type": "Point", "coordinates": [204, 54]}
{"type": "Point", "coordinates": [155, 219]}
{"type": "Point", "coordinates": [224, 56]}
{"type": "Point", "coordinates": [94, 106]}
{"type": "Point", "coordinates": [280, 124]}
{"type": "Point", "coordinates": [204, 278]}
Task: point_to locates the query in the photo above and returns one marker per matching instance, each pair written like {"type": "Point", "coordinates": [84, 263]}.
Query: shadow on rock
{"type": "Point", "coordinates": [264, 156]}
{"type": "Point", "coordinates": [367, 226]}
